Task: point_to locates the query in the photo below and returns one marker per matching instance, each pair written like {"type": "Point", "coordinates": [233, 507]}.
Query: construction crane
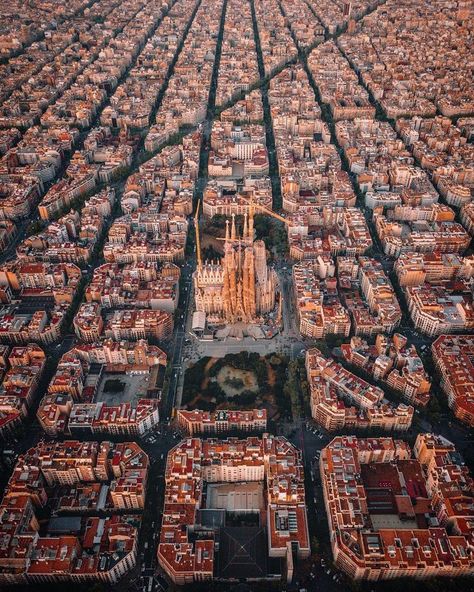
{"type": "Point", "coordinates": [266, 210]}
{"type": "Point", "coordinates": [252, 205]}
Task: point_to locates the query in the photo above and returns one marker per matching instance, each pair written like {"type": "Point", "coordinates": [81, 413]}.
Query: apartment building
{"type": "Point", "coordinates": [339, 399]}
{"type": "Point", "coordinates": [21, 369]}
{"type": "Point", "coordinates": [91, 547]}
{"type": "Point", "coordinates": [319, 309]}
{"type": "Point", "coordinates": [393, 361]}
{"type": "Point", "coordinates": [390, 510]}
{"type": "Point", "coordinates": [221, 421]}
{"type": "Point", "coordinates": [452, 355]}
{"type": "Point", "coordinates": [193, 463]}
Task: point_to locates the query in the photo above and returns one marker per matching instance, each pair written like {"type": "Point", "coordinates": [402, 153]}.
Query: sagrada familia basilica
{"type": "Point", "coordinates": [241, 288]}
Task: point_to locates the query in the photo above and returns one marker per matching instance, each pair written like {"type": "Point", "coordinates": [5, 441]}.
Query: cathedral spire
{"type": "Point", "coordinates": [250, 222]}
{"type": "Point", "coordinates": [239, 257]}
{"type": "Point", "coordinates": [233, 231]}
{"type": "Point", "coordinates": [227, 236]}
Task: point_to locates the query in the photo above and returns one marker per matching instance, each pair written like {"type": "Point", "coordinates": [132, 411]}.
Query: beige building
{"type": "Point", "coordinates": [241, 288]}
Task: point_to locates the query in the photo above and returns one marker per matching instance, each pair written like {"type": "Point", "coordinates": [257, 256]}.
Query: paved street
{"type": "Point", "coordinates": [146, 570]}
{"type": "Point", "coordinates": [182, 317]}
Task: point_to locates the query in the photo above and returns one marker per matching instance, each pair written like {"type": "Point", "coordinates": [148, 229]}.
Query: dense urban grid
{"type": "Point", "coordinates": [236, 295]}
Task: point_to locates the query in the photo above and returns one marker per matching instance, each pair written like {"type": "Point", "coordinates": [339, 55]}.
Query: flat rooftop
{"type": "Point", "coordinates": [235, 497]}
